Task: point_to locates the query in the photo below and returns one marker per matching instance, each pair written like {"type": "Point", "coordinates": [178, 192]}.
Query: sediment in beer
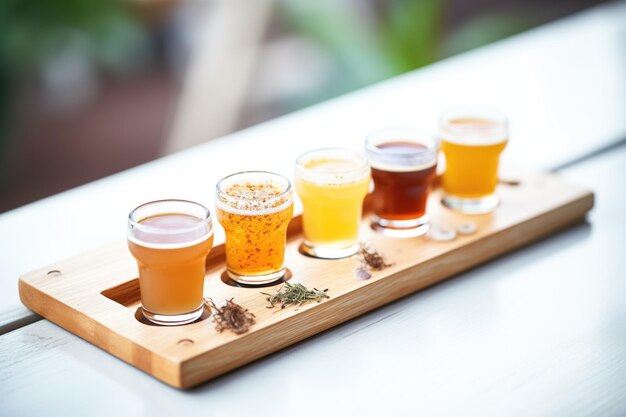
{"type": "Point", "coordinates": [255, 216]}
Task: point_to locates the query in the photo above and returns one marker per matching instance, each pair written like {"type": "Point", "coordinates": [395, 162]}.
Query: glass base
{"type": "Point", "coordinates": [260, 280]}
{"type": "Point", "coordinates": [401, 228]}
{"type": "Point", "coordinates": [480, 205]}
{"type": "Point", "coordinates": [327, 252]}
{"type": "Point", "coordinates": [173, 319]}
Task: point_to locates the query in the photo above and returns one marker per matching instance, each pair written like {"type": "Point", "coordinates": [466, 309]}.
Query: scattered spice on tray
{"type": "Point", "coordinates": [369, 260]}
{"type": "Point", "coordinates": [231, 316]}
{"type": "Point", "coordinates": [295, 294]}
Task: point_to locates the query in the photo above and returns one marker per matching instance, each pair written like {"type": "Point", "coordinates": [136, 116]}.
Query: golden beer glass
{"type": "Point", "coordinates": [472, 139]}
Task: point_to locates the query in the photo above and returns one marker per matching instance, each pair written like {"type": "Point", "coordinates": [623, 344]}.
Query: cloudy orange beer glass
{"type": "Point", "coordinates": [170, 239]}
{"type": "Point", "coordinates": [255, 208]}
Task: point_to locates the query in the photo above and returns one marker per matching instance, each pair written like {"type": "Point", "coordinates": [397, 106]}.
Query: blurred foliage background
{"type": "Point", "coordinates": [91, 87]}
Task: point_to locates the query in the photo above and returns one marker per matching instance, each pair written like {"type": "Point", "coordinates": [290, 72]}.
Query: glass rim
{"type": "Point", "coordinates": [136, 223]}
{"type": "Point", "coordinates": [363, 159]}
{"type": "Point", "coordinates": [373, 147]}
{"type": "Point", "coordinates": [370, 146]}
{"type": "Point", "coordinates": [222, 193]}
{"type": "Point", "coordinates": [474, 109]}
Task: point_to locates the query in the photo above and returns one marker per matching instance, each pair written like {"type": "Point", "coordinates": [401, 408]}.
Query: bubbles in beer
{"type": "Point", "coordinates": [473, 131]}
{"type": "Point", "coordinates": [254, 212]}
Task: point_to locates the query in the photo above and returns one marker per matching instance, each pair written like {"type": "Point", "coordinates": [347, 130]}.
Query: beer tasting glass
{"type": "Point", "coordinates": [170, 239]}
{"type": "Point", "coordinates": [404, 163]}
{"type": "Point", "coordinates": [254, 208]}
{"type": "Point", "coordinates": [332, 184]}
{"type": "Point", "coordinates": [472, 139]}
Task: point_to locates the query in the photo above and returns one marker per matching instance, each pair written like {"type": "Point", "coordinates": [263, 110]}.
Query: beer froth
{"type": "Point", "coordinates": [170, 231]}
{"type": "Point", "coordinates": [473, 131]}
{"type": "Point", "coordinates": [331, 171]}
{"type": "Point", "coordinates": [253, 198]}
{"type": "Point", "coordinates": [403, 156]}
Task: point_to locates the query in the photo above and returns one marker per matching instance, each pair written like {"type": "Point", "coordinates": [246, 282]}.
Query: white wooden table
{"type": "Point", "coordinates": [541, 331]}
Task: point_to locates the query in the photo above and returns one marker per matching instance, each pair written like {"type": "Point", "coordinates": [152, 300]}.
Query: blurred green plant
{"type": "Point", "coordinates": [33, 31]}
{"type": "Point", "coordinates": [344, 33]}
{"type": "Point", "coordinates": [484, 29]}
{"type": "Point", "coordinates": [368, 44]}
{"type": "Point", "coordinates": [371, 40]}
{"type": "Point", "coordinates": [413, 32]}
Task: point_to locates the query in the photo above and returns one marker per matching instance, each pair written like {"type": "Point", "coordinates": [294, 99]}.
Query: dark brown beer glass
{"type": "Point", "coordinates": [403, 164]}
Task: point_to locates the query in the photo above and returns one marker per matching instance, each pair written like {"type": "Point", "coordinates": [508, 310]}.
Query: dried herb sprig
{"type": "Point", "coordinates": [231, 316]}
{"type": "Point", "coordinates": [369, 260]}
{"type": "Point", "coordinates": [295, 294]}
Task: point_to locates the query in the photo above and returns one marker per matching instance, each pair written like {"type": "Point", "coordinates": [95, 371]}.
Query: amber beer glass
{"type": "Point", "coordinates": [332, 184]}
{"type": "Point", "coordinates": [404, 163]}
{"type": "Point", "coordinates": [472, 139]}
{"type": "Point", "coordinates": [170, 239]}
{"type": "Point", "coordinates": [255, 208]}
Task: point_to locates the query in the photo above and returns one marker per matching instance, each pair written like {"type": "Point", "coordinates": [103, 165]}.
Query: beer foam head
{"type": "Point", "coordinates": [473, 126]}
{"type": "Point", "coordinates": [254, 193]}
{"type": "Point", "coordinates": [402, 149]}
{"type": "Point", "coordinates": [169, 224]}
{"type": "Point", "coordinates": [332, 166]}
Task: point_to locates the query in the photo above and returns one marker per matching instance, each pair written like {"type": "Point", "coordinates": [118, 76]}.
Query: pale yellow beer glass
{"type": "Point", "coordinates": [332, 184]}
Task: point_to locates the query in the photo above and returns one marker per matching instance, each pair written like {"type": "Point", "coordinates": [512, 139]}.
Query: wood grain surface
{"type": "Point", "coordinates": [96, 297]}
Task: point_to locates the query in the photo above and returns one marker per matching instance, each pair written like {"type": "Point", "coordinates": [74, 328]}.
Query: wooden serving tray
{"type": "Point", "coordinates": [96, 295]}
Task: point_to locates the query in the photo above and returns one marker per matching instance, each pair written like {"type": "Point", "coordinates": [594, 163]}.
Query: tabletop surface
{"type": "Point", "coordinates": [541, 331]}
{"type": "Point", "coordinates": [562, 85]}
